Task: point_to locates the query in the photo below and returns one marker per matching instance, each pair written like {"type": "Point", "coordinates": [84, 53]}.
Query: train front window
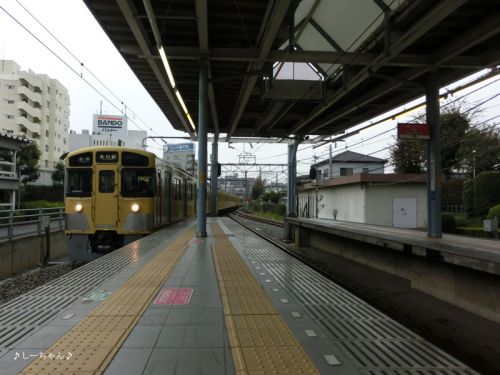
{"type": "Point", "coordinates": [138, 182]}
{"type": "Point", "coordinates": [79, 183]}
{"type": "Point", "coordinates": [106, 181]}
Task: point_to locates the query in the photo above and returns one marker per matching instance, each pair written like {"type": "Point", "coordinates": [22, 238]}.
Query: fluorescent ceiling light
{"type": "Point", "coordinates": [183, 105]}
{"type": "Point", "coordinates": [167, 66]}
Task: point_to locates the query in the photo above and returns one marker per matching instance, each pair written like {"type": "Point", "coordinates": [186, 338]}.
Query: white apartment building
{"type": "Point", "coordinates": [36, 106]}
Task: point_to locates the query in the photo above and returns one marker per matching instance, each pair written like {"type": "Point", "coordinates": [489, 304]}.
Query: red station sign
{"type": "Point", "coordinates": [414, 131]}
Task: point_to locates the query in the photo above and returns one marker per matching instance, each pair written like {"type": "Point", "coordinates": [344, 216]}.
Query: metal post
{"type": "Point", "coordinates": [213, 178]}
{"type": "Point", "coordinates": [433, 158]}
{"type": "Point", "coordinates": [292, 171]}
{"type": "Point", "coordinates": [201, 210]}
{"type": "Point", "coordinates": [330, 170]}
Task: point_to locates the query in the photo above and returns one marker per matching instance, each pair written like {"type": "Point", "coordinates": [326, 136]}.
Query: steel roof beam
{"type": "Point", "coordinates": [437, 14]}
{"type": "Point", "coordinates": [271, 31]}
{"type": "Point", "coordinates": [316, 57]}
{"type": "Point", "coordinates": [142, 41]}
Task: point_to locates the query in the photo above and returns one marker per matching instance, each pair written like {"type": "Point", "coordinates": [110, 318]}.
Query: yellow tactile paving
{"type": "Point", "coordinates": [94, 341]}
{"type": "Point", "coordinates": [261, 342]}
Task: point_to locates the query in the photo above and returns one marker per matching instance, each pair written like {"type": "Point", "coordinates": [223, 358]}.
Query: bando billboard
{"type": "Point", "coordinates": [116, 126]}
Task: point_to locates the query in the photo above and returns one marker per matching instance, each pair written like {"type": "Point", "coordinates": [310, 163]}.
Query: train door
{"type": "Point", "coordinates": [158, 199]}
{"type": "Point", "coordinates": [184, 198]}
{"type": "Point", "coordinates": [168, 197]}
{"type": "Point", "coordinates": [106, 198]}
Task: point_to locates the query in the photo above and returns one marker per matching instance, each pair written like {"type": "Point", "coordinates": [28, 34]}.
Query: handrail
{"type": "Point", "coordinates": [28, 221]}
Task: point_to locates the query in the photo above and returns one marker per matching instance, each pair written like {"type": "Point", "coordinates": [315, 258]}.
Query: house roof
{"type": "Point", "coordinates": [351, 157]}
{"type": "Point", "coordinates": [367, 178]}
{"type": "Point", "coordinates": [11, 141]}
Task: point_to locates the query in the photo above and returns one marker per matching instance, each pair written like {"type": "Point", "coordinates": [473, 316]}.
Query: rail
{"type": "Point", "coordinates": [257, 218]}
{"type": "Point", "coordinates": [31, 221]}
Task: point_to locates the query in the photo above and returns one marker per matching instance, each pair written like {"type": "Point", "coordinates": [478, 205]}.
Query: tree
{"type": "Point", "coordinates": [480, 151]}
{"type": "Point", "coordinates": [258, 187]}
{"type": "Point", "coordinates": [27, 162]}
{"type": "Point", "coordinates": [409, 156]}
{"type": "Point", "coordinates": [58, 174]}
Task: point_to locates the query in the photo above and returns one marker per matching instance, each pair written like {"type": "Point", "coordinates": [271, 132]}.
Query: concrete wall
{"type": "Point", "coordinates": [27, 252]}
{"type": "Point", "coordinates": [378, 203]}
{"type": "Point", "coordinates": [474, 291]}
{"type": "Point", "coordinates": [348, 200]}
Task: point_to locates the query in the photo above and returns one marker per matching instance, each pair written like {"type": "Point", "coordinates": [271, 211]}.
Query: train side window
{"type": "Point", "coordinates": [138, 182]}
{"type": "Point", "coordinates": [106, 181]}
{"type": "Point", "coordinates": [79, 182]}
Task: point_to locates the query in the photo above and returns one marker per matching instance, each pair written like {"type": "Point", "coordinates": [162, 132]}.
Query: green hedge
{"type": "Point", "coordinates": [473, 231]}
{"type": "Point", "coordinates": [41, 204]}
{"type": "Point", "coordinates": [37, 193]}
{"type": "Point", "coordinates": [268, 207]}
{"type": "Point", "coordinates": [486, 191]}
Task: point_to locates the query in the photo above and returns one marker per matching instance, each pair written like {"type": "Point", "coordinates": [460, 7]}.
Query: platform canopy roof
{"type": "Point", "coordinates": [289, 67]}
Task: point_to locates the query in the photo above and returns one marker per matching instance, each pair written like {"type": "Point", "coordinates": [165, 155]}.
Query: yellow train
{"type": "Point", "coordinates": [115, 195]}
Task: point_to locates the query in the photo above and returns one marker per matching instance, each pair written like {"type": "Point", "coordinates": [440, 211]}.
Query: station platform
{"type": "Point", "coordinates": [475, 253]}
{"type": "Point", "coordinates": [230, 303]}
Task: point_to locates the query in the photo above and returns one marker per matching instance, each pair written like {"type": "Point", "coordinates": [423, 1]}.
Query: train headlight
{"type": "Point", "coordinates": [134, 207]}
{"type": "Point", "coordinates": [78, 207]}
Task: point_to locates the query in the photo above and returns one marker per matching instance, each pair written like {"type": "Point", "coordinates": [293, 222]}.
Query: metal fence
{"type": "Point", "coordinates": [25, 222]}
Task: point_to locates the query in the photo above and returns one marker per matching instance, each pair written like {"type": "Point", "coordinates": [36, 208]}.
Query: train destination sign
{"type": "Point", "coordinates": [414, 131]}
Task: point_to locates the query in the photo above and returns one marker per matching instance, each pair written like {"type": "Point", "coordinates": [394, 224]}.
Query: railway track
{"type": "Point", "coordinates": [259, 219]}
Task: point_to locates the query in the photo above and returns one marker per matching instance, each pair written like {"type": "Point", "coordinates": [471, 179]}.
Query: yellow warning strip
{"type": "Point", "coordinates": [95, 340]}
{"type": "Point", "coordinates": [261, 342]}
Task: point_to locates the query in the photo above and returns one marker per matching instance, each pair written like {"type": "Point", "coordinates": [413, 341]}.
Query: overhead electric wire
{"type": "Point", "coordinates": [80, 62]}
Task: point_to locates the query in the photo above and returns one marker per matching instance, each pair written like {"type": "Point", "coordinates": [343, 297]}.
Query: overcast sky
{"type": "Point", "coordinates": [75, 27]}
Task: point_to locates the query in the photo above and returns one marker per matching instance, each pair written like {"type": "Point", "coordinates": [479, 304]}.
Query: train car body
{"type": "Point", "coordinates": [115, 195]}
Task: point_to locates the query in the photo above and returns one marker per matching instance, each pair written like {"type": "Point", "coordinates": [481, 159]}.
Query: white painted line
{"type": "Point", "coordinates": [268, 281]}
{"type": "Point", "coordinates": [68, 316]}
{"type": "Point", "coordinates": [296, 314]}
{"type": "Point", "coordinates": [310, 333]}
{"type": "Point", "coordinates": [257, 268]}
{"type": "Point", "coordinates": [262, 274]}
{"type": "Point", "coordinates": [284, 300]}
{"type": "Point", "coordinates": [332, 360]}
{"type": "Point", "coordinates": [276, 290]}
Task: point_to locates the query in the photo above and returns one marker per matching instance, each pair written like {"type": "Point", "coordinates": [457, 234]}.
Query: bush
{"type": "Point", "coordinates": [37, 193]}
{"type": "Point", "coordinates": [468, 196]}
{"type": "Point", "coordinates": [486, 191]}
{"type": "Point", "coordinates": [281, 209]}
{"type": "Point", "coordinates": [448, 224]}
{"type": "Point", "coordinates": [41, 204]}
{"type": "Point", "coordinates": [494, 211]}
{"type": "Point", "coordinates": [460, 221]}
{"type": "Point", "coordinates": [452, 192]}
{"type": "Point", "coordinates": [474, 231]}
